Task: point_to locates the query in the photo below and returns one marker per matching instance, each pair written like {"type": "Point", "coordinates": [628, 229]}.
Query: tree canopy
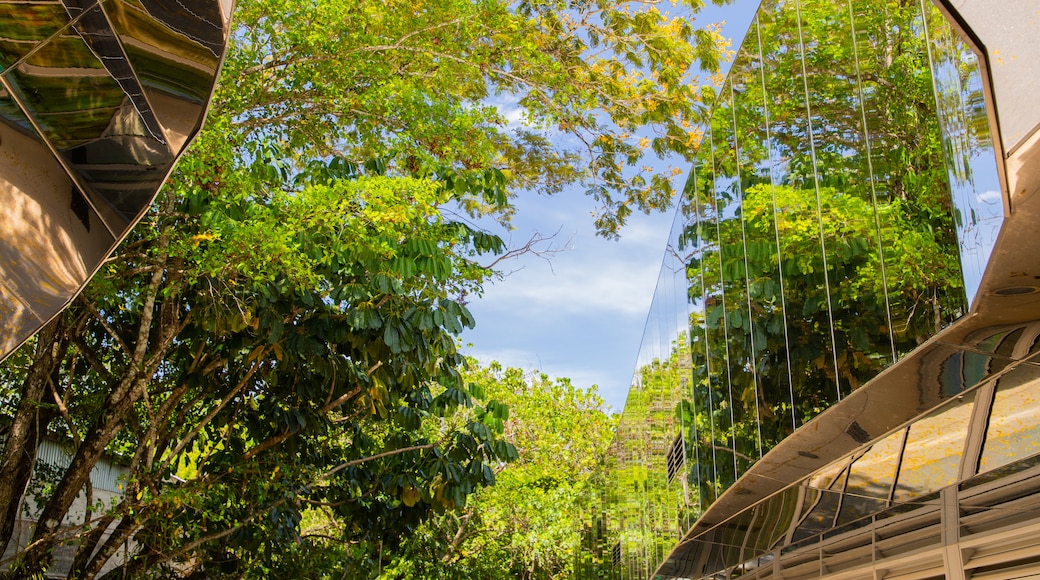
{"type": "Point", "coordinates": [275, 345]}
{"type": "Point", "coordinates": [538, 95]}
{"type": "Point", "coordinates": [530, 524]}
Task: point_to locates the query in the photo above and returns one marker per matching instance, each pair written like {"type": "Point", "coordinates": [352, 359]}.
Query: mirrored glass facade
{"type": "Point", "coordinates": [822, 354]}
{"type": "Point", "coordinates": [97, 101]}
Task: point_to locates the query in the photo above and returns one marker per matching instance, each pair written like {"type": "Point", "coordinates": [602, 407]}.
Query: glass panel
{"type": "Point", "coordinates": [854, 271]}
{"type": "Point", "coordinates": [643, 430]}
{"type": "Point", "coordinates": [921, 258]}
{"type": "Point", "coordinates": [705, 266]}
{"type": "Point", "coordinates": [733, 253]}
{"type": "Point", "coordinates": [719, 277]}
{"type": "Point", "coordinates": [871, 478]}
{"type": "Point", "coordinates": [679, 360]}
{"type": "Point", "coordinates": [660, 431]}
{"type": "Point", "coordinates": [701, 425]}
{"type": "Point", "coordinates": [641, 442]}
{"type": "Point", "coordinates": [797, 213]}
{"type": "Point", "coordinates": [613, 500]}
{"type": "Point", "coordinates": [873, 342]}
{"type": "Point", "coordinates": [1013, 432]}
{"type": "Point", "coordinates": [931, 458]}
{"type": "Point", "coordinates": [768, 337]}
{"type": "Point", "coordinates": [631, 482]}
{"type": "Point", "coordinates": [875, 99]}
{"type": "Point", "coordinates": [968, 144]}
{"type": "Point", "coordinates": [679, 367]}
{"type": "Point", "coordinates": [644, 418]}
{"type": "Point", "coordinates": [827, 60]}
{"type": "Point", "coordinates": [651, 385]}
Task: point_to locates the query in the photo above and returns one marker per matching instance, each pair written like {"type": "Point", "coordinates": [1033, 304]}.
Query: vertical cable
{"type": "Point", "coordinates": [776, 227]}
{"type": "Point", "coordinates": [819, 206]}
{"type": "Point", "coordinates": [747, 278]}
{"type": "Point", "coordinates": [873, 181]}
{"type": "Point", "coordinates": [725, 318]}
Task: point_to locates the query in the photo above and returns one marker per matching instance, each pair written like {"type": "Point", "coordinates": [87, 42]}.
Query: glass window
{"type": "Point", "coordinates": [971, 162]}
{"type": "Point", "coordinates": [1013, 431]}
{"type": "Point", "coordinates": [822, 499]}
{"type": "Point", "coordinates": [871, 478]}
{"type": "Point", "coordinates": [932, 456]}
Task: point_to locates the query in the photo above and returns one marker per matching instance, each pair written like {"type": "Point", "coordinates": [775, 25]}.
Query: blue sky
{"type": "Point", "coordinates": [581, 314]}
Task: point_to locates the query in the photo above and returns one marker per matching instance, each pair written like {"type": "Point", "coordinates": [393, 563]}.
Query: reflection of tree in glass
{"type": "Point", "coordinates": [821, 226]}
{"type": "Point", "coordinates": [653, 510]}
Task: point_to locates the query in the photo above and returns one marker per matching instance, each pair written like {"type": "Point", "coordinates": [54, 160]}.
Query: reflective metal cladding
{"type": "Point", "coordinates": [837, 338]}
{"type": "Point", "coordinates": [98, 99]}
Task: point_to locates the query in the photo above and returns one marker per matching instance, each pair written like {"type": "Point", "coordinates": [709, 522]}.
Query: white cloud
{"type": "Point", "coordinates": [990, 196]}
{"type": "Point", "coordinates": [581, 317]}
{"type": "Point", "coordinates": [514, 117]}
{"type": "Point", "coordinates": [592, 275]}
{"type": "Point", "coordinates": [578, 286]}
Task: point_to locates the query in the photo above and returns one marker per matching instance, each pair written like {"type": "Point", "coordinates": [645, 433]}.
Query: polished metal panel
{"type": "Point", "coordinates": [1008, 36]}
{"type": "Point", "coordinates": [871, 478]}
{"type": "Point", "coordinates": [41, 21]}
{"type": "Point", "coordinates": [856, 492]}
{"type": "Point", "coordinates": [932, 452]}
{"type": "Point", "coordinates": [98, 99]}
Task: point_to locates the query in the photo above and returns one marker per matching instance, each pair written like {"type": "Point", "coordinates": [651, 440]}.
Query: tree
{"type": "Point", "coordinates": [428, 86]}
{"type": "Point", "coordinates": [305, 378]}
{"type": "Point", "coordinates": [278, 336]}
{"type": "Point", "coordinates": [530, 523]}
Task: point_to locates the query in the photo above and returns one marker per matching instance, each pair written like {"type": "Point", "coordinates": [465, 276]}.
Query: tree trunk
{"type": "Point", "coordinates": [142, 362]}
{"type": "Point", "coordinates": [76, 476]}
{"type": "Point", "coordinates": [86, 549]}
{"type": "Point", "coordinates": [30, 423]}
{"type": "Point", "coordinates": [120, 535]}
